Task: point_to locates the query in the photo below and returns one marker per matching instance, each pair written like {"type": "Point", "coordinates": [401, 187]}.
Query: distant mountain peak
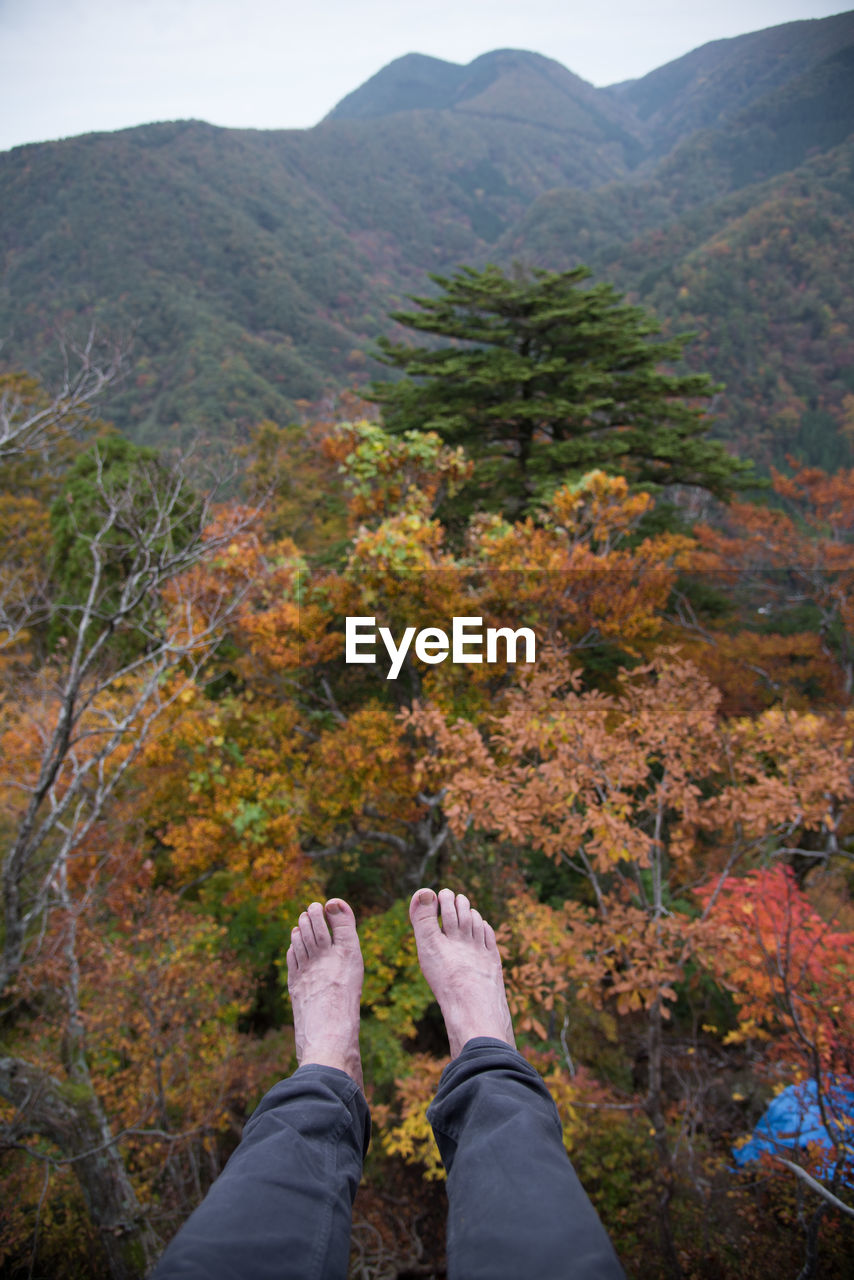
{"type": "Point", "coordinates": [503, 59]}
{"type": "Point", "coordinates": [416, 81]}
{"type": "Point", "coordinates": [508, 85]}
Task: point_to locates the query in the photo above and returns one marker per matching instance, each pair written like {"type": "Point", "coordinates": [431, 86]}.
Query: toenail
{"type": "Point", "coordinates": [425, 897]}
{"type": "Point", "coordinates": [332, 907]}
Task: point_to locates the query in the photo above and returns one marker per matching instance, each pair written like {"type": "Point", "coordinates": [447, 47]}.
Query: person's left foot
{"type": "Point", "coordinates": [462, 965]}
{"type": "Point", "coordinates": [325, 972]}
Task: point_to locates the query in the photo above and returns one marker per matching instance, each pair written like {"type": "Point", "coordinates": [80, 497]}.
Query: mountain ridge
{"type": "Point", "coordinates": [257, 267]}
{"type": "Point", "coordinates": [504, 84]}
{"type": "Point", "coordinates": [718, 78]}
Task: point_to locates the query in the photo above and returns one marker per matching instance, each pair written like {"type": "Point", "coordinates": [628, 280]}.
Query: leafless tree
{"type": "Point", "coordinates": [87, 710]}
{"type": "Point", "coordinates": [27, 426]}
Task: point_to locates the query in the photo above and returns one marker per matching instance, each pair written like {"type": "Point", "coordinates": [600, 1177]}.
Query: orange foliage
{"type": "Point", "coordinates": [159, 1000]}
{"type": "Point", "coordinates": [791, 973]}
{"type": "Point", "coordinates": [359, 765]}
{"type": "Point", "coordinates": [572, 574]}
{"type": "Point", "coordinates": [788, 558]}
{"type": "Point", "coordinates": [223, 786]}
{"type": "Point", "coordinates": [590, 779]}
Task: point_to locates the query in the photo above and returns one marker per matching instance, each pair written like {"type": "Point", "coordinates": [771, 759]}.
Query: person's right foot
{"type": "Point", "coordinates": [325, 973]}
{"type": "Point", "coordinates": [462, 966]}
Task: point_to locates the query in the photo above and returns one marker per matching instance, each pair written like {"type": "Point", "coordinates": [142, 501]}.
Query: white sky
{"type": "Point", "coordinates": [73, 66]}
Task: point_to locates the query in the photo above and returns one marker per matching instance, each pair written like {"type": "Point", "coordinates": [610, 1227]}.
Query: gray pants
{"type": "Point", "coordinates": [281, 1209]}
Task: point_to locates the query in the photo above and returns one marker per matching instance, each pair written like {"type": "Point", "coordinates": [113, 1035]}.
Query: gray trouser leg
{"type": "Point", "coordinates": [516, 1207]}
{"type": "Point", "coordinates": [281, 1208]}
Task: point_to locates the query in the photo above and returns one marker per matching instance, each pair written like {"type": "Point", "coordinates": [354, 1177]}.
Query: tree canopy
{"type": "Point", "coordinates": [544, 379]}
{"type": "Point", "coordinates": [656, 813]}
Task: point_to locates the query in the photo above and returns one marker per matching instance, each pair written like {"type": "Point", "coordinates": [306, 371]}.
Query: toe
{"type": "Point", "coordinates": [342, 922]}
{"type": "Point", "coordinates": [293, 963]}
{"type": "Point", "coordinates": [464, 915]}
{"type": "Point", "coordinates": [477, 927]}
{"type": "Point", "coordinates": [298, 947]}
{"type": "Point", "coordinates": [489, 937]}
{"type": "Point", "coordinates": [424, 913]}
{"type": "Point", "coordinates": [307, 934]}
{"type": "Point", "coordinates": [318, 924]}
{"type": "Point", "coordinates": [448, 906]}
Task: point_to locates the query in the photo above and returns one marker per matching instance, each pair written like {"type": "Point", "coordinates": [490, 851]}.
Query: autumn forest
{"type": "Point", "coordinates": [656, 814]}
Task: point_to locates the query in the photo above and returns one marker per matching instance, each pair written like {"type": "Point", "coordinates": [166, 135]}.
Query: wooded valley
{"type": "Point", "coordinates": [657, 814]}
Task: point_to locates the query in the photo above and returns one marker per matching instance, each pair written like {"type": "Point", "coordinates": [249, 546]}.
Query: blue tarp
{"type": "Point", "coordinates": [793, 1119]}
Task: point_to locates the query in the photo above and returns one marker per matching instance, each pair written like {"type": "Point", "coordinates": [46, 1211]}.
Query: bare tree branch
{"type": "Point", "coordinates": [88, 369]}
{"type": "Point", "coordinates": [816, 1186]}
{"type": "Point", "coordinates": [89, 735]}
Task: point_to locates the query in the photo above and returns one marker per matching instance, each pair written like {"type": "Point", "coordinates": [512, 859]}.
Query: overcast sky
{"type": "Point", "coordinates": [72, 66]}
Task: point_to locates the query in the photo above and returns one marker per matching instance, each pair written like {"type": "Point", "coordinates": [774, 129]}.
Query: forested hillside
{"type": "Point", "coordinates": [761, 274]}
{"type": "Point", "coordinates": [265, 263]}
{"type": "Point", "coordinates": [719, 80]}
{"type": "Point", "coordinates": [605, 613]}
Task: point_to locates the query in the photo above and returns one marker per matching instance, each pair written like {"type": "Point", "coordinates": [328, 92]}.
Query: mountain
{"type": "Point", "coordinates": [410, 83]}
{"type": "Point", "coordinates": [744, 235]}
{"type": "Point", "coordinates": [507, 84]}
{"type": "Point", "coordinates": [255, 268]}
{"type": "Point", "coordinates": [722, 78]}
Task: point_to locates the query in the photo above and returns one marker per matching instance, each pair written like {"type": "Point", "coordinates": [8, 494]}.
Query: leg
{"type": "Point", "coordinates": [282, 1206]}
{"type": "Point", "coordinates": [516, 1206]}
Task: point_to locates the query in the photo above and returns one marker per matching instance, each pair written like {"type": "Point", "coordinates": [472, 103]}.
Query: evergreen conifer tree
{"type": "Point", "coordinates": [545, 379]}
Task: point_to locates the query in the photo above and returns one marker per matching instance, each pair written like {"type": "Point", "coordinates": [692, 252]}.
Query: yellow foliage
{"type": "Point", "coordinates": [404, 1128]}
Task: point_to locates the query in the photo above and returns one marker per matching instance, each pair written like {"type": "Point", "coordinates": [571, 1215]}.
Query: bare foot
{"type": "Point", "coordinates": [462, 965]}
{"type": "Point", "coordinates": [325, 972]}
